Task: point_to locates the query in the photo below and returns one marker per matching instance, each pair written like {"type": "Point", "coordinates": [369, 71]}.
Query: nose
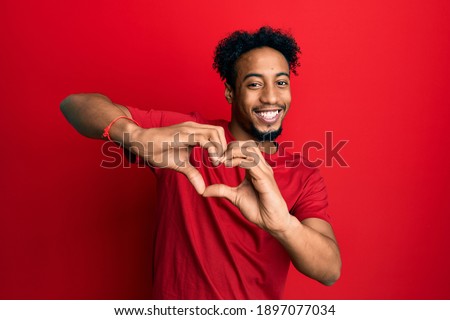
{"type": "Point", "coordinates": [269, 95]}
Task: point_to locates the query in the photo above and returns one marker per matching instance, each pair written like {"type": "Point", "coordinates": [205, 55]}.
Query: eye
{"type": "Point", "coordinates": [254, 85]}
{"type": "Point", "coordinates": [282, 83]}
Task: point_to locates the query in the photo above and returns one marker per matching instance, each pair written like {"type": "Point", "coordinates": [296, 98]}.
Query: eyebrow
{"type": "Point", "coordinates": [259, 75]}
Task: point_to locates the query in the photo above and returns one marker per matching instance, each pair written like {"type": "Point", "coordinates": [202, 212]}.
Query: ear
{"type": "Point", "coordinates": [228, 93]}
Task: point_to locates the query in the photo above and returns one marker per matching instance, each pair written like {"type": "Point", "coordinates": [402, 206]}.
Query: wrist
{"type": "Point", "coordinates": [121, 129]}
{"type": "Point", "coordinates": [292, 227]}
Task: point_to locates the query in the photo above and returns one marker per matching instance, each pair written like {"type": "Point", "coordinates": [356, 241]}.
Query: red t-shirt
{"type": "Point", "coordinates": [204, 247]}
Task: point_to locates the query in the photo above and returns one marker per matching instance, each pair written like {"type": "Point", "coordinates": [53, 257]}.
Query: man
{"type": "Point", "coordinates": [233, 236]}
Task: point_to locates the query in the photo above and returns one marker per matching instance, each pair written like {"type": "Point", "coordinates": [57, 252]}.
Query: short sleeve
{"type": "Point", "coordinates": [313, 200]}
{"type": "Point", "coordinates": [157, 118]}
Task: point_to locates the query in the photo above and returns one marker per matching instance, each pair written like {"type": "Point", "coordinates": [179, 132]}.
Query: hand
{"type": "Point", "coordinates": [257, 197]}
{"type": "Point", "coordinates": [170, 147]}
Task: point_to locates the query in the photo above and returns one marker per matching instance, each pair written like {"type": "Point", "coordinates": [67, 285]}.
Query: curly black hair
{"type": "Point", "coordinates": [239, 42]}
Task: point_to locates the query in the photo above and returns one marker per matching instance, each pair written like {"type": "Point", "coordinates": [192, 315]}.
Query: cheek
{"type": "Point", "coordinates": [287, 102]}
{"type": "Point", "coordinates": [252, 99]}
{"type": "Point", "coordinates": [247, 103]}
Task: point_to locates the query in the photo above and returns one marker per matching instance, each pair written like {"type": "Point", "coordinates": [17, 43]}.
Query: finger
{"type": "Point", "coordinates": [247, 155]}
{"type": "Point", "coordinates": [215, 134]}
{"type": "Point", "coordinates": [222, 139]}
{"type": "Point", "coordinates": [211, 132]}
{"type": "Point", "coordinates": [214, 148]}
{"type": "Point", "coordinates": [215, 151]}
{"type": "Point", "coordinates": [194, 177]}
{"type": "Point", "coordinates": [242, 149]}
{"type": "Point", "coordinates": [247, 163]}
{"type": "Point", "coordinates": [207, 138]}
{"type": "Point", "coordinates": [220, 191]}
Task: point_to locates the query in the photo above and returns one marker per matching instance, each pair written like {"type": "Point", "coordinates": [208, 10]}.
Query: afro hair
{"type": "Point", "coordinates": [239, 42]}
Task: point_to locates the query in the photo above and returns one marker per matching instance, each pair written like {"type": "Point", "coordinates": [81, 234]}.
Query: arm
{"type": "Point", "coordinates": [310, 244]}
{"type": "Point", "coordinates": [89, 114]}
{"type": "Point", "coordinates": [167, 147]}
{"type": "Point", "coordinates": [313, 249]}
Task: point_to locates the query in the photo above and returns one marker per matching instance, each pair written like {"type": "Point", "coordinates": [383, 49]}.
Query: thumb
{"type": "Point", "coordinates": [194, 177]}
{"type": "Point", "coordinates": [220, 191]}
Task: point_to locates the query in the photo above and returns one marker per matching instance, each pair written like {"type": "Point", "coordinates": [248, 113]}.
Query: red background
{"type": "Point", "coordinates": [374, 73]}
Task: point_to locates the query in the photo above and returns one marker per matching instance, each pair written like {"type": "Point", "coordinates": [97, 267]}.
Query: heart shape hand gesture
{"type": "Point", "coordinates": [257, 197]}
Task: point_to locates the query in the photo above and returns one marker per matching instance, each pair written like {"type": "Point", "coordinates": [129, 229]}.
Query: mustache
{"type": "Point", "coordinates": [268, 105]}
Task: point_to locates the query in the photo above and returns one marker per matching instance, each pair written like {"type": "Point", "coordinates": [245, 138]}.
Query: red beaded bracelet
{"type": "Point", "coordinates": [106, 130]}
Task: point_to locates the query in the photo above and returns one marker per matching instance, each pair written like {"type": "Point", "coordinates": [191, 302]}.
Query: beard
{"type": "Point", "coordinates": [262, 136]}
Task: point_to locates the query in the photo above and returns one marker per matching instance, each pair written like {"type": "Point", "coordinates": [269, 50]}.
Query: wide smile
{"type": "Point", "coordinates": [268, 116]}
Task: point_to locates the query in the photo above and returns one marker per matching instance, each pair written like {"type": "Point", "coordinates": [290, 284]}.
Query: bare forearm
{"type": "Point", "coordinates": [312, 253]}
{"type": "Point", "coordinates": [89, 114]}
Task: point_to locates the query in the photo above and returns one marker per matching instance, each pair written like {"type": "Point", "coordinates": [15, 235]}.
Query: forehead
{"type": "Point", "coordinates": [265, 61]}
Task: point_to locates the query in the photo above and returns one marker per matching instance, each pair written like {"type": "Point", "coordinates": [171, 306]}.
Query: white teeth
{"type": "Point", "coordinates": [268, 114]}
